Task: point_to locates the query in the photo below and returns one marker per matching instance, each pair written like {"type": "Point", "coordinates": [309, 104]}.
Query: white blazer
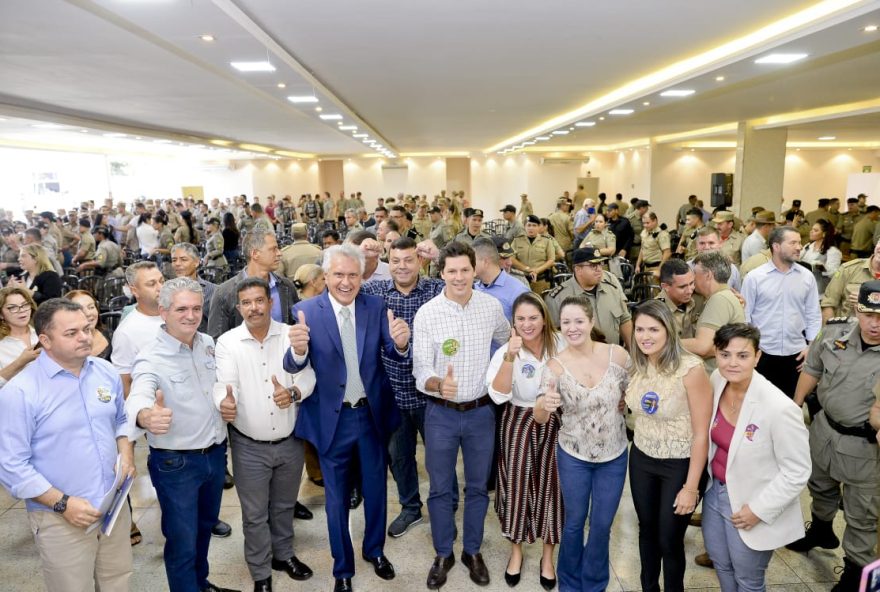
{"type": "Point", "coordinates": [768, 463]}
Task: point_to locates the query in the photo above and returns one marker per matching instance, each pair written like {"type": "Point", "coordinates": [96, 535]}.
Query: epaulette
{"type": "Point", "coordinates": [837, 321]}
{"type": "Point", "coordinates": [555, 291]}
{"type": "Point", "coordinates": [853, 262]}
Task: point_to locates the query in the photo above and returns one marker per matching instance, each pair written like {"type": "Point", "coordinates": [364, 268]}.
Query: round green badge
{"type": "Point", "coordinates": [450, 347]}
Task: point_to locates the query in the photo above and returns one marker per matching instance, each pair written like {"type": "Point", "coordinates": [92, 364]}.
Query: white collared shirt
{"type": "Point", "coordinates": [248, 365]}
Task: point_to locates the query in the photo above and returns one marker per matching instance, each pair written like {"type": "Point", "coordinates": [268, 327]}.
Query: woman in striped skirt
{"type": "Point", "coordinates": [527, 497]}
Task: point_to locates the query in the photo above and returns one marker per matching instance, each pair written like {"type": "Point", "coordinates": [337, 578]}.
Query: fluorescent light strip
{"type": "Point", "coordinates": [253, 66]}
{"type": "Point", "coordinates": [347, 128]}
{"type": "Point", "coordinates": [676, 92]}
{"type": "Point", "coordinates": [585, 124]}
{"type": "Point", "coordinates": [621, 111]}
{"type": "Point", "coordinates": [330, 116]}
{"type": "Point", "coordinates": [302, 99]}
{"type": "Point", "coordinates": [781, 58]}
{"type": "Point", "coordinates": [560, 133]}
{"type": "Point", "coordinates": [360, 135]}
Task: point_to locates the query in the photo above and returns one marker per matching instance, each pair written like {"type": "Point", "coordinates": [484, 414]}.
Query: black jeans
{"type": "Point", "coordinates": [781, 371]}
{"type": "Point", "coordinates": [654, 483]}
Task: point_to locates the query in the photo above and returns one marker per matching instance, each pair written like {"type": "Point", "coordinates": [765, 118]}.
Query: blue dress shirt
{"type": "Point", "coordinates": [505, 289]}
{"type": "Point", "coordinates": [59, 430]}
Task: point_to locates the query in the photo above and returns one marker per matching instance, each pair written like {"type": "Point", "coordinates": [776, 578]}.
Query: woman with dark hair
{"type": "Point", "coordinates": [147, 237]}
{"type": "Point", "coordinates": [821, 250]}
{"type": "Point", "coordinates": [18, 340]}
{"type": "Point", "coordinates": [759, 463]}
{"type": "Point", "coordinates": [527, 497]}
{"type": "Point", "coordinates": [671, 400]}
{"type": "Point", "coordinates": [164, 238]}
{"type": "Point", "coordinates": [231, 238]}
{"type": "Point", "coordinates": [586, 381]}
{"type": "Point", "coordinates": [186, 232]}
{"type": "Point", "coordinates": [101, 346]}
{"type": "Point", "coordinates": [546, 229]}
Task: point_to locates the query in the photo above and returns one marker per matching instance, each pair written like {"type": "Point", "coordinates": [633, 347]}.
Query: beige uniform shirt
{"type": "Point", "coordinates": [754, 262]}
{"type": "Point", "coordinates": [533, 252]}
{"type": "Point", "coordinates": [863, 234]}
{"type": "Point", "coordinates": [686, 315]}
{"type": "Point", "coordinates": [563, 229]}
{"type": "Point", "coordinates": [609, 304]}
{"type": "Point", "coordinates": [721, 308]}
{"type": "Point", "coordinates": [601, 240]}
{"type": "Point", "coordinates": [298, 254]}
{"type": "Point", "coordinates": [653, 245]}
{"type": "Point", "coordinates": [732, 247]}
{"type": "Point", "coordinates": [87, 246]}
{"type": "Point", "coordinates": [845, 281]}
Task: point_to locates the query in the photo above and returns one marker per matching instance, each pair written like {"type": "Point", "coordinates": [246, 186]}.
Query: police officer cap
{"type": "Point", "coordinates": [587, 255]}
{"type": "Point", "coordinates": [503, 246]}
{"type": "Point", "coordinates": [869, 297]}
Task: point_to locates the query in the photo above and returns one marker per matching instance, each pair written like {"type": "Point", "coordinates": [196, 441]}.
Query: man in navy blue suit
{"type": "Point", "coordinates": [352, 411]}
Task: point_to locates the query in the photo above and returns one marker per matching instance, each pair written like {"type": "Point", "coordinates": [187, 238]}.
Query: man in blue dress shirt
{"type": "Point", "coordinates": [67, 401]}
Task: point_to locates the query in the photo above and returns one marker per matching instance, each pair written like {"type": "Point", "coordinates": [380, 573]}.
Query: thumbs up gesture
{"type": "Point", "coordinates": [299, 335]}
{"type": "Point", "coordinates": [282, 395]}
{"type": "Point", "coordinates": [515, 343]}
{"type": "Point", "coordinates": [156, 419]}
{"type": "Point", "coordinates": [228, 406]}
{"type": "Point", "coordinates": [448, 384]}
{"type": "Point", "coordinates": [399, 331]}
{"type": "Point", "coordinates": [552, 400]}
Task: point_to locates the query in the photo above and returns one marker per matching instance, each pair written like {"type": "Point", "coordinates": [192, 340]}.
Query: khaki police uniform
{"type": "Point", "coordinates": [863, 235]}
{"type": "Point", "coordinates": [86, 245]}
{"type": "Point", "coordinates": [653, 245]}
{"type": "Point", "coordinates": [689, 243]}
{"type": "Point", "coordinates": [441, 233]}
{"type": "Point", "coordinates": [732, 247]}
{"type": "Point", "coordinates": [422, 226]}
{"type": "Point", "coordinates": [109, 256]}
{"type": "Point", "coordinates": [534, 253]}
{"type": "Point", "coordinates": [818, 214]}
{"type": "Point", "coordinates": [214, 251]}
{"type": "Point", "coordinates": [754, 262]}
{"type": "Point", "coordinates": [563, 229]}
{"type": "Point", "coordinates": [635, 220]}
{"type": "Point", "coordinates": [601, 240]}
{"type": "Point", "coordinates": [525, 210]}
{"type": "Point", "coordinates": [685, 315]}
{"type": "Point", "coordinates": [847, 374]}
{"type": "Point", "coordinates": [465, 237]}
{"type": "Point", "coordinates": [609, 304]}
{"type": "Point", "coordinates": [847, 279]}
{"type": "Point", "coordinates": [297, 254]}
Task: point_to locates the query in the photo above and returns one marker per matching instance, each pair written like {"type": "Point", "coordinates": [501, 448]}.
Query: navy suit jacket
{"type": "Point", "coordinates": [318, 415]}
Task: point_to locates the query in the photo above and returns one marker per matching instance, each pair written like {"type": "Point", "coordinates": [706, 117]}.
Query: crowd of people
{"type": "Point", "coordinates": [716, 361]}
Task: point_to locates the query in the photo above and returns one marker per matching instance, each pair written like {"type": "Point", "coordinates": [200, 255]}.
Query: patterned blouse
{"type": "Point", "coordinates": [660, 407]}
{"type": "Point", "coordinates": [593, 429]}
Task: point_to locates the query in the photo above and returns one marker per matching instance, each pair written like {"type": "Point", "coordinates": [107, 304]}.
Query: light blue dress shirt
{"type": "Point", "coordinates": [59, 430]}
{"type": "Point", "coordinates": [505, 289]}
{"type": "Point", "coordinates": [784, 306]}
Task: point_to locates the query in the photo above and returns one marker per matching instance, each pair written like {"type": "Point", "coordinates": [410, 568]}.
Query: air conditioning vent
{"type": "Point", "coordinates": [549, 160]}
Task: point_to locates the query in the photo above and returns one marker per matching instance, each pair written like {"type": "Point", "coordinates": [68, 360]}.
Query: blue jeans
{"type": "Point", "coordinates": [189, 488]}
{"type": "Point", "coordinates": [402, 450]}
{"type": "Point", "coordinates": [593, 488]}
{"type": "Point", "coordinates": [447, 430]}
{"type": "Point", "coordinates": [739, 568]}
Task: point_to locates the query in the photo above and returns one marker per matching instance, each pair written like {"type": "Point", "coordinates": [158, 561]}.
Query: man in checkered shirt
{"type": "Point", "coordinates": [452, 337]}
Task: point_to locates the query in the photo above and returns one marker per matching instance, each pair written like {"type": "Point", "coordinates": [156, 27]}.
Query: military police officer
{"type": "Point", "coordinates": [844, 362]}
{"type": "Point", "coordinates": [534, 255]}
{"type": "Point", "coordinates": [844, 285]}
{"type": "Point", "coordinates": [602, 289]}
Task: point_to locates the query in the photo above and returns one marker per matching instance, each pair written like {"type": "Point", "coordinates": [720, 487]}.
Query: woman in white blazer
{"type": "Point", "coordinates": [759, 462]}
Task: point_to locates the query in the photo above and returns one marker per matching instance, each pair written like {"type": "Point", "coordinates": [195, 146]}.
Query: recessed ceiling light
{"type": "Point", "coordinates": [678, 92]}
{"type": "Point", "coordinates": [138, 138]}
{"type": "Point", "coordinates": [282, 85]}
{"type": "Point", "coordinates": [253, 66]}
{"type": "Point", "coordinates": [348, 127]}
{"type": "Point", "coordinates": [571, 129]}
{"type": "Point", "coordinates": [646, 103]}
{"type": "Point", "coordinates": [827, 138]}
{"type": "Point", "coordinates": [318, 109]}
{"type": "Point", "coordinates": [602, 118]}
{"type": "Point", "coordinates": [303, 99]}
{"type": "Point", "coordinates": [870, 28]}
{"type": "Point", "coordinates": [620, 111]}
{"type": "Point", "coordinates": [84, 131]}
{"type": "Point", "coordinates": [780, 58]}
{"type": "Point", "coordinates": [560, 132]}
{"type": "Point", "coordinates": [114, 135]}
{"type": "Point", "coordinates": [49, 126]}
{"type": "Point", "coordinates": [207, 38]}
{"type": "Point", "coordinates": [585, 123]}
{"type": "Point", "coordinates": [330, 116]}
{"type": "Point", "coordinates": [719, 79]}
{"type": "Point", "coordinates": [360, 136]}
{"type": "Point", "coordinates": [542, 138]}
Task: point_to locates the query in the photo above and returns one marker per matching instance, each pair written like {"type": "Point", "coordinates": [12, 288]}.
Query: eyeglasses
{"type": "Point", "coordinates": [17, 308]}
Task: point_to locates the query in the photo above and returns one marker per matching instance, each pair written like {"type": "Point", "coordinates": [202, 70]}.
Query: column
{"type": "Point", "coordinates": [760, 168]}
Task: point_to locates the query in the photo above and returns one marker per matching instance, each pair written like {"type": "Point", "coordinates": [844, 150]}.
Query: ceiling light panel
{"type": "Point", "coordinates": [330, 116]}
{"type": "Point", "coordinates": [677, 92]}
{"type": "Point", "coordinates": [297, 99]}
{"type": "Point", "coordinates": [781, 58]}
{"type": "Point", "coordinates": [621, 111]}
{"type": "Point", "coordinates": [253, 66]}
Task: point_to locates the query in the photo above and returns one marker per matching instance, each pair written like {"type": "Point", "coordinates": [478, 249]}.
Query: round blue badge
{"type": "Point", "coordinates": [528, 370]}
{"type": "Point", "coordinates": [650, 402]}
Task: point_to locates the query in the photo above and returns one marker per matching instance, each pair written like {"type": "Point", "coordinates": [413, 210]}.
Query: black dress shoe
{"type": "Point", "coordinates": [263, 585]}
{"type": "Point", "coordinates": [477, 567]}
{"type": "Point", "coordinates": [343, 585]}
{"type": "Point", "coordinates": [221, 530]}
{"type": "Point", "coordinates": [209, 587]}
{"type": "Point", "coordinates": [513, 579]}
{"type": "Point", "coordinates": [438, 571]}
{"type": "Point", "coordinates": [382, 567]}
{"type": "Point", "coordinates": [228, 481]}
{"type": "Point", "coordinates": [546, 583]}
{"type": "Point", "coordinates": [356, 498]}
{"type": "Point", "coordinates": [295, 568]}
{"type": "Point", "coordinates": [318, 482]}
{"type": "Point", "coordinates": [301, 512]}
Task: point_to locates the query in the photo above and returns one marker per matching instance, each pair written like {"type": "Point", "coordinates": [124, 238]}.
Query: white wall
{"type": "Point", "coordinates": [422, 176]}
{"type": "Point", "coordinates": [811, 174]}
{"type": "Point", "coordinates": [280, 178]}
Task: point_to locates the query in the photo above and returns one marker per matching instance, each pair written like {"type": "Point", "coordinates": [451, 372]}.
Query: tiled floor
{"type": "Point", "coordinates": [411, 554]}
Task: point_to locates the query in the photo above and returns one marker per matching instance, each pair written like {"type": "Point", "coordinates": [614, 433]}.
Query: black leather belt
{"type": "Point", "coordinates": [481, 402]}
{"type": "Point", "coordinates": [269, 442]}
{"type": "Point", "coordinates": [193, 451]}
{"type": "Point", "coordinates": [650, 265]}
{"type": "Point", "coordinates": [359, 403]}
{"type": "Point", "coordinates": [863, 431]}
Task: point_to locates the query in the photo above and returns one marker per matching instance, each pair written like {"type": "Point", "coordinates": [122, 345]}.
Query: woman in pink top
{"type": "Point", "coordinates": [759, 462]}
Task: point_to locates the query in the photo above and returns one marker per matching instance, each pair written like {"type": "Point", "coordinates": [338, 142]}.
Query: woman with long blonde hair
{"type": "Point", "coordinates": [40, 277]}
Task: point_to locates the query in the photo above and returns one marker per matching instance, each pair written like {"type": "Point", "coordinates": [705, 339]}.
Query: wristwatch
{"type": "Point", "coordinates": [61, 505]}
{"type": "Point", "coordinates": [508, 357]}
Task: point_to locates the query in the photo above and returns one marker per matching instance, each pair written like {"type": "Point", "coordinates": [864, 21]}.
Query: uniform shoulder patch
{"type": "Point", "coordinates": [838, 321]}
{"type": "Point", "coordinates": [555, 291]}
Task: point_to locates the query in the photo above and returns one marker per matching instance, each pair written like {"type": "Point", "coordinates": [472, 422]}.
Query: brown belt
{"type": "Point", "coordinates": [467, 406]}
